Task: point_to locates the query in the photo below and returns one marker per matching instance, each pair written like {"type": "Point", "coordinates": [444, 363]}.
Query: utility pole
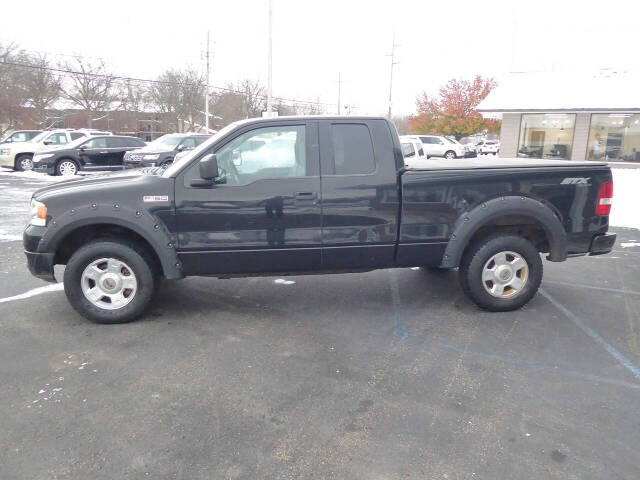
{"type": "Point", "coordinates": [339, 85]}
{"type": "Point", "coordinates": [206, 93]}
{"type": "Point", "coordinates": [270, 72]}
{"type": "Point", "coordinates": [393, 62]}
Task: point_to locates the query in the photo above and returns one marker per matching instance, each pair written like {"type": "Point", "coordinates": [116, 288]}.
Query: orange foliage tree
{"type": "Point", "coordinates": [453, 110]}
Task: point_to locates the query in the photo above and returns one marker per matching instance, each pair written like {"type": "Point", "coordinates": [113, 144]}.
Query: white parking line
{"type": "Point", "coordinates": [36, 291]}
{"type": "Point", "coordinates": [622, 360]}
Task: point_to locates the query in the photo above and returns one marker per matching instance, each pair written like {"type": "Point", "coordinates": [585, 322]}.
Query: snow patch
{"type": "Point", "coordinates": [9, 237]}
{"type": "Point", "coordinates": [282, 281]}
{"type": "Point", "coordinates": [626, 198]}
{"type": "Point", "coordinates": [630, 244]}
{"type": "Point", "coordinates": [36, 291]}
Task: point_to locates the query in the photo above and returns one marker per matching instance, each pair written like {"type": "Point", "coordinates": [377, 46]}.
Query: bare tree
{"type": "Point", "coordinates": [43, 88]}
{"type": "Point", "coordinates": [255, 100]}
{"type": "Point", "coordinates": [12, 93]}
{"type": "Point", "coordinates": [91, 87]}
{"type": "Point", "coordinates": [180, 95]}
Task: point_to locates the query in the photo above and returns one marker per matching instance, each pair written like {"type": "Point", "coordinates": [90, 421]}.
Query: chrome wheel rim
{"type": "Point", "coordinates": [505, 274]}
{"type": "Point", "coordinates": [26, 164]}
{"type": "Point", "coordinates": [67, 168]}
{"type": "Point", "coordinates": [450, 155]}
{"type": "Point", "coordinates": [109, 283]}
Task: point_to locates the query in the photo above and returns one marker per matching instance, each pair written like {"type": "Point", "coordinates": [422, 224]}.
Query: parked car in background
{"type": "Point", "coordinates": [20, 136]}
{"type": "Point", "coordinates": [487, 147]}
{"type": "Point", "coordinates": [87, 153]}
{"type": "Point", "coordinates": [411, 150]}
{"type": "Point", "coordinates": [439, 146]}
{"type": "Point", "coordinates": [470, 150]}
{"type": "Point", "coordinates": [163, 150]}
{"type": "Point", "coordinates": [19, 155]}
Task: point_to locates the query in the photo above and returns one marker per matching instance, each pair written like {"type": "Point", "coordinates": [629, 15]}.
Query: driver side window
{"type": "Point", "coordinates": [268, 152]}
{"type": "Point", "coordinates": [96, 143]}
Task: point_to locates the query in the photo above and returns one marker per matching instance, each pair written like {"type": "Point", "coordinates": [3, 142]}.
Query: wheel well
{"type": "Point", "coordinates": [522, 226]}
{"type": "Point", "coordinates": [75, 239]}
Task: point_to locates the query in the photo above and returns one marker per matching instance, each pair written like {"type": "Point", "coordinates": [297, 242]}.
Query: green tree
{"type": "Point", "coordinates": [453, 110]}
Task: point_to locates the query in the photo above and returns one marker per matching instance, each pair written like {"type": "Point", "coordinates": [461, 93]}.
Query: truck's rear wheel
{"type": "Point", "coordinates": [109, 282]}
{"type": "Point", "coordinates": [501, 272]}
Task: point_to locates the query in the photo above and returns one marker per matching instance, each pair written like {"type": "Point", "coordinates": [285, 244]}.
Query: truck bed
{"type": "Point", "coordinates": [478, 163]}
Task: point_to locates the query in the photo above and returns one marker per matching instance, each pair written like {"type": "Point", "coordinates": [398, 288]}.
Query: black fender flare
{"type": "Point", "coordinates": [470, 222]}
{"type": "Point", "coordinates": [149, 227]}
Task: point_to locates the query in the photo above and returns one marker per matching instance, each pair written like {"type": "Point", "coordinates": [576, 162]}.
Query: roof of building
{"type": "Point", "coordinates": [564, 91]}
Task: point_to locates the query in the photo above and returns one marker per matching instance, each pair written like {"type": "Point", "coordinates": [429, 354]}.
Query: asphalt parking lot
{"type": "Point", "coordinates": [384, 375]}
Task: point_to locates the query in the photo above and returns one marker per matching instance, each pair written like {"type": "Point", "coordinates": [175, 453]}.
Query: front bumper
{"type": "Point", "coordinates": [6, 161]}
{"type": "Point", "coordinates": [40, 263]}
{"type": "Point", "coordinates": [44, 167]}
{"type": "Point", "coordinates": [602, 244]}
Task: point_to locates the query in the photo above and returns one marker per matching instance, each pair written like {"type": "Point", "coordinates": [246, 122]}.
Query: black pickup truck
{"type": "Point", "coordinates": [314, 195]}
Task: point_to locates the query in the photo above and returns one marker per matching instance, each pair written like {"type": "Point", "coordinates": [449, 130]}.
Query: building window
{"type": "Point", "coordinates": [546, 135]}
{"type": "Point", "coordinates": [614, 136]}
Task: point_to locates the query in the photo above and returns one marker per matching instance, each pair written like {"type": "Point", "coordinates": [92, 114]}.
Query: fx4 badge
{"type": "Point", "coordinates": [155, 198]}
{"type": "Point", "coordinates": [576, 181]}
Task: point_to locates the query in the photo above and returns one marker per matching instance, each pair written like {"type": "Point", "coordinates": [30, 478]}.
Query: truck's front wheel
{"type": "Point", "coordinates": [501, 272]}
{"type": "Point", "coordinates": [109, 282]}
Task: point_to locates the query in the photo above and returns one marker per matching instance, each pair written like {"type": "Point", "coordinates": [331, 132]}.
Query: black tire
{"type": "Point", "coordinates": [135, 256]}
{"type": "Point", "coordinates": [450, 154]}
{"type": "Point", "coordinates": [479, 253]}
{"type": "Point", "coordinates": [19, 162]}
{"type": "Point", "coordinates": [63, 162]}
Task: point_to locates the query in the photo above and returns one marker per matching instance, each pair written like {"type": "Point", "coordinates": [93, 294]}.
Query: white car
{"type": "Point", "coordinates": [439, 146]}
{"type": "Point", "coordinates": [19, 155]}
{"type": "Point", "coordinates": [411, 150]}
{"type": "Point", "coordinates": [487, 147]}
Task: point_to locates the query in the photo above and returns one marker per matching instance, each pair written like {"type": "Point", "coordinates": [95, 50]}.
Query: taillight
{"type": "Point", "coordinates": [605, 199]}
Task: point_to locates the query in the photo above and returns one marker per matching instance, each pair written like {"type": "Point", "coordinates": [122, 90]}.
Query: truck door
{"type": "Point", "coordinates": [359, 193]}
{"type": "Point", "coordinates": [263, 214]}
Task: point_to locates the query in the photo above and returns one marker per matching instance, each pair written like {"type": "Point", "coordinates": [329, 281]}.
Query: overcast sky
{"type": "Point", "coordinates": [315, 40]}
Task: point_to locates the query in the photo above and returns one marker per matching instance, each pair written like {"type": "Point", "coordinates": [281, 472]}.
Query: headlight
{"type": "Point", "coordinates": [38, 213]}
{"type": "Point", "coordinates": [39, 158]}
{"type": "Point", "coordinates": [151, 156]}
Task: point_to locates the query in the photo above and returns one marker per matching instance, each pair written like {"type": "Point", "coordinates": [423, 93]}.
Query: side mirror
{"type": "Point", "coordinates": [180, 148]}
{"type": "Point", "coordinates": [46, 142]}
{"type": "Point", "coordinates": [208, 171]}
{"type": "Point", "coordinates": [82, 148]}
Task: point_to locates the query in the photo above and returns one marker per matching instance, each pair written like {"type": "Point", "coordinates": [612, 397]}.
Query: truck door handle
{"type": "Point", "coordinates": [305, 195]}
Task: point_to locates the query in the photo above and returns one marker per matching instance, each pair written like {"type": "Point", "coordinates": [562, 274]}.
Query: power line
{"type": "Point", "coordinates": [147, 80]}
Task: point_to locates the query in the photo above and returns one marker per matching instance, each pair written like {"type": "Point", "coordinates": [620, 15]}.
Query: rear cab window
{"type": "Point", "coordinates": [352, 149]}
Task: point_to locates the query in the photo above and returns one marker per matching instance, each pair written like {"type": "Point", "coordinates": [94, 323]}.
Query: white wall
{"type": "Point", "coordinates": [581, 136]}
{"type": "Point", "coordinates": [509, 134]}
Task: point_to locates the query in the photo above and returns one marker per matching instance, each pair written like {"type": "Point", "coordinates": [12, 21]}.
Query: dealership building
{"type": "Point", "coordinates": [568, 116]}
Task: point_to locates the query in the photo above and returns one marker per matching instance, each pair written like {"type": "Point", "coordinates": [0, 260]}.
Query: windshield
{"type": "Point", "coordinates": [166, 141]}
{"type": "Point", "coordinates": [39, 137]}
{"type": "Point", "coordinates": [177, 165]}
